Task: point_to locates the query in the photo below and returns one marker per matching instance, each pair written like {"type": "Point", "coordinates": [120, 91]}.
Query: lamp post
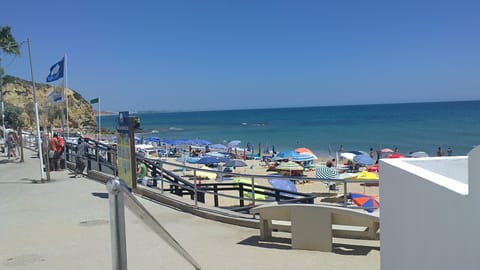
{"type": "Point", "coordinates": [3, 111]}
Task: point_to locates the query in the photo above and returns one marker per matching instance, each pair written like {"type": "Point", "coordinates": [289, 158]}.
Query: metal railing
{"type": "Point", "coordinates": [120, 196]}
{"type": "Point", "coordinates": [103, 157]}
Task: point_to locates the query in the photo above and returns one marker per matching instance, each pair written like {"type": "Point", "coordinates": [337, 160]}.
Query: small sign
{"type": "Point", "coordinates": [124, 159]}
{"type": "Point", "coordinates": [122, 122]}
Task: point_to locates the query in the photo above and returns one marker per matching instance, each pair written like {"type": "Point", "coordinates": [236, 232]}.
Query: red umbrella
{"type": "Point", "coordinates": [368, 202]}
{"type": "Point", "coordinates": [303, 150]}
{"type": "Point", "coordinates": [394, 155]}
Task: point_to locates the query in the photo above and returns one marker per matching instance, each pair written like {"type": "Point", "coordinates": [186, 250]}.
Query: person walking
{"type": "Point", "coordinates": [81, 156]}
{"type": "Point", "coordinates": [11, 146]}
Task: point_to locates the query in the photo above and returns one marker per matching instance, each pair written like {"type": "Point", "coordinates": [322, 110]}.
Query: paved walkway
{"type": "Point", "coordinates": [64, 224]}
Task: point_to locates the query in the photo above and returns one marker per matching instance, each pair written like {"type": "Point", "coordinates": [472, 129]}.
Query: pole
{"type": "Point", "coordinates": [37, 120]}
{"type": "Point", "coordinates": [3, 112]}
{"type": "Point", "coordinates": [65, 86]}
{"type": "Point", "coordinates": [99, 120]}
{"type": "Point", "coordinates": [117, 226]}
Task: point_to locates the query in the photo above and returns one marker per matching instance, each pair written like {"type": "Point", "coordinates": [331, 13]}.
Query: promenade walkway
{"type": "Point", "coordinates": [64, 224]}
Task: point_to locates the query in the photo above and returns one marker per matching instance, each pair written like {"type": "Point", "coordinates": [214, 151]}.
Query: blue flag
{"type": "Point", "coordinates": [55, 97]}
{"type": "Point", "coordinates": [56, 71]}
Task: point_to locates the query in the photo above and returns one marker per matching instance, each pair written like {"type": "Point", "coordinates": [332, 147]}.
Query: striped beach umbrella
{"type": "Point", "coordinates": [369, 203]}
{"type": "Point", "coordinates": [326, 173]}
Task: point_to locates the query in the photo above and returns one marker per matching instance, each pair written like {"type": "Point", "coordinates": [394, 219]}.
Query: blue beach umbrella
{"type": "Point", "coordinates": [235, 163]}
{"type": "Point", "coordinates": [217, 146]}
{"type": "Point", "coordinates": [211, 160]}
{"type": "Point", "coordinates": [290, 154]}
{"type": "Point", "coordinates": [233, 143]}
{"type": "Point", "coordinates": [283, 184]}
{"type": "Point", "coordinates": [363, 160]}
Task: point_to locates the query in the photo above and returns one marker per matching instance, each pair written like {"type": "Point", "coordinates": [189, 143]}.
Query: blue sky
{"type": "Point", "coordinates": [207, 55]}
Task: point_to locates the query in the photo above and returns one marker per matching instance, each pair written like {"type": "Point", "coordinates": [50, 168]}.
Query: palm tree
{"type": "Point", "coordinates": [9, 45]}
{"type": "Point", "coordinates": [7, 41]}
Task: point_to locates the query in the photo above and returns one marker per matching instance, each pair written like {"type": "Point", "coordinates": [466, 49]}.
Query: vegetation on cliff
{"type": "Point", "coordinates": [19, 102]}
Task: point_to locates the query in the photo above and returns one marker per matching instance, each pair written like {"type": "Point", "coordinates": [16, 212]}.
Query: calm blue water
{"type": "Point", "coordinates": [410, 127]}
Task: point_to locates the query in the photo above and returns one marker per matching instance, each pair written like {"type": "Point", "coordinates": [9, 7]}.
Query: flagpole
{"type": "Point", "coordinates": [37, 120]}
{"type": "Point", "coordinates": [99, 120]}
{"type": "Point", "coordinates": [65, 86]}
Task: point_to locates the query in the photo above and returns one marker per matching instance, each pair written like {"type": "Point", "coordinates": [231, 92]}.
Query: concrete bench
{"type": "Point", "coordinates": [313, 226]}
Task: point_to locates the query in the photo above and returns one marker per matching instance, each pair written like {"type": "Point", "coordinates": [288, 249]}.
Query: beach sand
{"type": "Point", "coordinates": [261, 178]}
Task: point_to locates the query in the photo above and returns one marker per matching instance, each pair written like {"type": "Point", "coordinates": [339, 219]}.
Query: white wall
{"type": "Point", "coordinates": [430, 215]}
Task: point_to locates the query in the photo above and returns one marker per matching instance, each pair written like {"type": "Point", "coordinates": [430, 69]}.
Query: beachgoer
{"type": "Point", "coordinates": [449, 151]}
{"type": "Point", "coordinates": [11, 146]}
{"type": "Point", "coordinates": [81, 156]}
{"type": "Point", "coordinates": [341, 150]}
{"type": "Point", "coordinates": [53, 154]}
{"type": "Point", "coordinates": [371, 153]}
{"type": "Point", "coordinates": [60, 149]}
{"type": "Point", "coordinates": [141, 170]}
{"type": "Point", "coordinates": [440, 152]}
{"type": "Point", "coordinates": [396, 150]}
{"type": "Point", "coordinates": [329, 163]}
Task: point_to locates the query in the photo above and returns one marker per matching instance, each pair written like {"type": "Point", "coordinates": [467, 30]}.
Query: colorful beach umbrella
{"type": "Point", "coordinates": [233, 143]}
{"type": "Point", "coordinates": [283, 184]}
{"type": "Point", "coordinates": [217, 146]}
{"type": "Point", "coordinates": [369, 203]}
{"type": "Point", "coordinates": [235, 163]}
{"type": "Point", "coordinates": [348, 156]}
{"type": "Point", "coordinates": [303, 150]}
{"type": "Point", "coordinates": [289, 166]}
{"type": "Point", "coordinates": [325, 172]}
{"type": "Point", "coordinates": [394, 155]}
{"type": "Point", "coordinates": [290, 154]}
{"type": "Point", "coordinates": [304, 157]}
{"type": "Point", "coordinates": [363, 160]}
{"type": "Point", "coordinates": [211, 160]}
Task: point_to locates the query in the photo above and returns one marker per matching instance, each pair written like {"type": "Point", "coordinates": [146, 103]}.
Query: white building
{"type": "Point", "coordinates": [430, 213]}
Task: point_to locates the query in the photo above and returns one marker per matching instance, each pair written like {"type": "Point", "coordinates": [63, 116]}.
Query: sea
{"type": "Point", "coordinates": [409, 127]}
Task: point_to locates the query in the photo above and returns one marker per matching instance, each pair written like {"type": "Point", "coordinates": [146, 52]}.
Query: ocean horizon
{"type": "Point", "coordinates": [409, 127]}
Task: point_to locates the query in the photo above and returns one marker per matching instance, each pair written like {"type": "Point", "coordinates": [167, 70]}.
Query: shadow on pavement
{"type": "Point", "coordinates": [276, 242]}
{"type": "Point", "coordinates": [101, 195]}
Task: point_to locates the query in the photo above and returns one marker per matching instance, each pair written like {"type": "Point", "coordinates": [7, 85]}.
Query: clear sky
{"type": "Point", "coordinates": [207, 55]}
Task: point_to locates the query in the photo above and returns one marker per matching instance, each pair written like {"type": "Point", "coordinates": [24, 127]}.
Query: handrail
{"type": "Point", "coordinates": [119, 194]}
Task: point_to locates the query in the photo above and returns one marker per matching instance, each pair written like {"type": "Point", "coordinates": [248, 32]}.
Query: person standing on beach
{"type": "Point", "coordinates": [371, 153]}
{"type": "Point", "coordinates": [449, 151]}
{"type": "Point", "coordinates": [440, 152]}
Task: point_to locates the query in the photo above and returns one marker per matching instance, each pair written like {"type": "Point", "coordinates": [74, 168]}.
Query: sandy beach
{"type": "Point", "coordinates": [261, 174]}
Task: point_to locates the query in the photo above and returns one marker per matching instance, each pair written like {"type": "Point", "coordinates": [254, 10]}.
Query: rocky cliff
{"type": "Point", "coordinates": [19, 93]}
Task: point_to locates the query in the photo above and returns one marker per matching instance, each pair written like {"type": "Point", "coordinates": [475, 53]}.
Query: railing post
{"type": "Point", "coordinates": [195, 187]}
{"type": "Point", "coordinates": [345, 200]}
{"type": "Point", "coordinates": [215, 195]}
{"type": "Point", "coordinates": [253, 190]}
{"type": "Point", "coordinates": [117, 225]}
{"type": "Point", "coordinates": [161, 178]}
